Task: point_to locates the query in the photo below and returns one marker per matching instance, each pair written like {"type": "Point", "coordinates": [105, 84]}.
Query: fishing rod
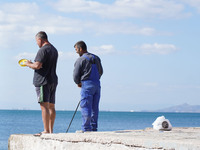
{"type": "Point", "coordinates": [73, 116]}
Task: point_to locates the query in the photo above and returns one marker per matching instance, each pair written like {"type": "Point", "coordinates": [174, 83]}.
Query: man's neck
{"type": "Point", "coordinates": [83, 53]}
{"type": "Point", "coordinates": [45, 43]}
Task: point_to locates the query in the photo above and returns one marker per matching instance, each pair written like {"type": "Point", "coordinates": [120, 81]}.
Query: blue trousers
{"type": "Point", "coordinates": [90, 96]}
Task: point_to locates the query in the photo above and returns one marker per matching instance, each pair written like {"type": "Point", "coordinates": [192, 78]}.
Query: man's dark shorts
{"type": "Point", "coordinates": [46, 93]}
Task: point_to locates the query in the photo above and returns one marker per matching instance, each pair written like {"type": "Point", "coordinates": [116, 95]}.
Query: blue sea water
{"type": "Point", "coordinates": [30, 122]}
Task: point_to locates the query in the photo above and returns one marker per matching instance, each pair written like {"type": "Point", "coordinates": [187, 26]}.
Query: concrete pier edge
{"type": "Point", "coordinates": [147, 139]}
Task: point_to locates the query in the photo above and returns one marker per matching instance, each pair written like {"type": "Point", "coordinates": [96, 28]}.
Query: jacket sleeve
{"type": "Point", "coordinates": [77, 72]}
{"type": "Point", "coordinates": [100, 68]}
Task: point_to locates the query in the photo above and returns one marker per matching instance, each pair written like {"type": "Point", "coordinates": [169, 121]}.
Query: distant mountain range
{"type": "Point", "coordinates": [181, 108]}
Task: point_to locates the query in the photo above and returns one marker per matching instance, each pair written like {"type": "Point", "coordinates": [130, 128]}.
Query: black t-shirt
{"type": "Point", "coordinates": [48, 56]}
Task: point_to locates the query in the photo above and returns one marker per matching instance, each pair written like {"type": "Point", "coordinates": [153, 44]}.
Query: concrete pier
{"type": "Point", "coordinates": [147, 139]}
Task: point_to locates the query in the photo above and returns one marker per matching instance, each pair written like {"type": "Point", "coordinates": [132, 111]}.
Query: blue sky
{"type": "Point", "coordinates": [149, 50]}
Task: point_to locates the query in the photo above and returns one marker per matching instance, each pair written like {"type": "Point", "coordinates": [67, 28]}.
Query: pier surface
{"type": "Point", "coordinates": [147, 139]}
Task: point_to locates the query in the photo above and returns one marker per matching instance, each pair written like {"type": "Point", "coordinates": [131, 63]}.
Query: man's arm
{"type": "Point", "coordinates": [77, 73]}
{"type": "Point", "coordinates": [36, 65]}
{"type": "Point", "coordinates": [100, 68]}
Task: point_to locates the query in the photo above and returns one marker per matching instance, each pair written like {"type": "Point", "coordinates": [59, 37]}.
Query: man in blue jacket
{"type": "Point", "coordinates": [87, 73]}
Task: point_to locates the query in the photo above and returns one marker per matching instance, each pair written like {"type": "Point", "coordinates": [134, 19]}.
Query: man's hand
{"type": "Point", "coordinates": [36, 65]}
{"type": "Point", "coordinates": [79, 85]}
{"type": "Point", "coordinates": [28, 63]}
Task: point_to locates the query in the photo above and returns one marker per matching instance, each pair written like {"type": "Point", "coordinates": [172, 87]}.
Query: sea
{"type": "Point", "coordinates": [30, 121]}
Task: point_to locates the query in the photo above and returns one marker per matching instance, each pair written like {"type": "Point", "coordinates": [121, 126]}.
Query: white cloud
{"type": "Point", "coordinates": [13, 17]}
{"type": "Point", "coordinates": [122, 28]}
{"type": "Point", "coordinates": [102, 50]}
{"type": "Point", "coordinates": [77, 6]}
{"type": "Point", "coordinates": [180, 87]}
{"type": "Point", "coordinates": [150, 84]}
{"type": "Point", "coordinates": [27, 16]}
{"type": "Point", "coordinates": [98, 50]}
{"type": "Point", "coordinates": [25, 55]}
{"type": "Point", "coordinates": [124, 8]}
{"type": "Point", "coordinates": [21, 21]}
{"type": "Point", "coordinates": [31, 56]}
{"type": "Point", "coordinates": [145, 49]}
{"type": "Point", "coordinates": [194, 3]}
{"type": "Point", "coordinates": [162, 49]}
{"type": "Point", "coordinates": [67, 55]}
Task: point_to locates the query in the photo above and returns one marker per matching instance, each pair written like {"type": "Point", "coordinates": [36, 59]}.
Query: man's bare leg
{"type": "Point", "coordinates": [45, 116]}
{"type": "Point", "coordinates": [52, 117]}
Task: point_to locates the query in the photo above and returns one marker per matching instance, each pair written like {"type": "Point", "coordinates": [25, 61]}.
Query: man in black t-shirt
{"type": "Point", "coordinates": [45, 79]}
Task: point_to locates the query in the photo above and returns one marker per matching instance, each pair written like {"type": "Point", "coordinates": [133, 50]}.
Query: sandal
{"type": "Point", "coordinates": [39, 134]}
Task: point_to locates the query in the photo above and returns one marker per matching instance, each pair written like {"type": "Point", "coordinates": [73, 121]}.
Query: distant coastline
{"type": "Point", "coordinates": [183, 108]}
